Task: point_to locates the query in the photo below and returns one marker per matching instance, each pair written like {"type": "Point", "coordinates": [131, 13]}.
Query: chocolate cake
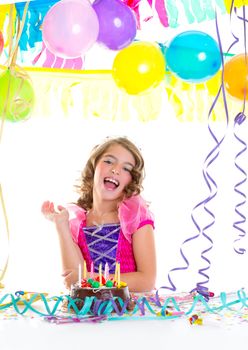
{"type": "Point", "coordinates": [108, 291]}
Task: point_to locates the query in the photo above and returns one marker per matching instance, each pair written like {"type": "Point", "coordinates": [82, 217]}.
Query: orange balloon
{"type": "Point", "coordinates": [236, 76]}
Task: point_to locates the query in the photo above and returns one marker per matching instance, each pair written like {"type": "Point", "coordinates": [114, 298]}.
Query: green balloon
{"type": "Point", "coordinates": [16, 96]}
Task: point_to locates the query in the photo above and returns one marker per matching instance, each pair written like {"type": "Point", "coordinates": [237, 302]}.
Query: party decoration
{"type": "Point", "coordinates": [146, 306]}
{"type": "Point", "coordinates": [170, 13]}
{"type": "Point", "coordinates": [236, 76]}
{"type": "Point", "coordinates": [138, 67]}
{"type": "Point", "coordinates": [159, 6]}
{"type": "Point", "coordinates": [1, 42]}
{"type": "Point", "coordinates": [241, 217]}
{"type": "Point", "coordinates": [49, 60]}
{"type": "Point", "coordinates": [70, 28]}
{"type": "Point", "coordinates": [229, 4]}
{"type": "Point", "coordinates": [193, 56]}
{"type": "Point", "coordinates": [16, 95]}
{"type": "Point", "coordinates": [117, 23]}
{"type": "Point", "coordinates": [31, 33]}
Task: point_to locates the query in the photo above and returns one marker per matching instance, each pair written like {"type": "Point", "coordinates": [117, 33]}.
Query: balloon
{"type": "Point", "coordinates": [16, 96]}
{"type": "Point", "coordinates": [236, 76]}
{"type": "Point", "coordinates": [139, 67]}
{"type": "Point", "coordinates": [193, 56]}
{"type": "Point", "coordinates": [70, 28]}
{"type": "Point", "coordinates": [117, 23]}
{"type": "Point", "coordinates": [1, 42]}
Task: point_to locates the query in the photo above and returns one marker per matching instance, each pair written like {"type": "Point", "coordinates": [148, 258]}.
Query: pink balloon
{"type": "Point", "coordinates": [1, 42]}
{"type": "Point", "coordinates": [70, 28]}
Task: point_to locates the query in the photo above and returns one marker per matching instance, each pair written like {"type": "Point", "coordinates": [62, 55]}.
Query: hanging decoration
{"type": "Point", "coordinates": [237, 66]}
{"type": "Point", "coordinates": [139, 67]}
{"type": "Point", "coordinates": [17, 95]}
{"type": "Point", "coordinates": [230, 4]}
{"type": "Point", "coordinates": [1, 43]}
{"type": "Point", "coordinates": [16, 91]}
{"type": "Point", "coordinates": [193, 56]}
{"type": "Point", "coordinates": [77, 34]}
{"type": "Point", "coordinates": [239, 223]}
{"type": "Point", "coordinates": [117, 24]}
{"type": "Point", "coordinates": [203, 230]}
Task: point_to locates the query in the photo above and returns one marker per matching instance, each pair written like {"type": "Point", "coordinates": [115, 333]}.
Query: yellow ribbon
{"type": "Point", "coordinates": [10, 64]}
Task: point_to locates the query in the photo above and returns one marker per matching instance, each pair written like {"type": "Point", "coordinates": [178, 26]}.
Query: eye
{"type": "Point", "coordinates": [127, 169]}
{"type": "Point", "coordinates": [108, 161]}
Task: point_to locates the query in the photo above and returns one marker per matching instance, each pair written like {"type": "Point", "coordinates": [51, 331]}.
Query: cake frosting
{"type": "Point", "coordinates": [102, 291]}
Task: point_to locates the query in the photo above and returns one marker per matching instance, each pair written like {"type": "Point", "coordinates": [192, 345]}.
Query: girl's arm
{"type": "Point", "coordinates": [71, 255]}
{"type": "Point", "coordinates": [145, 257]}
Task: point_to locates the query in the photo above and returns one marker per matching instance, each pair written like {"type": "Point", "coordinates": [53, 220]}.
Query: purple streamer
{"type": "Point", "coordinates": [213, 188]}
{"type": "Point", "coordinates": [209, 161]}
{"type": "Point", "coordinates": [236, 39]}
{"type": "Point", "coordinates": [240, 118]}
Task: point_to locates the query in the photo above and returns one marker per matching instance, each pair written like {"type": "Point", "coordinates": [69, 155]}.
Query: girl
{"type": "Point", "coordinates": [110, 222]}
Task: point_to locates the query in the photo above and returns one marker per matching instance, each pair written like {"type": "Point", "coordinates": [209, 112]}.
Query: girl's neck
{"type": "Point", "coordinates": [104, 213]}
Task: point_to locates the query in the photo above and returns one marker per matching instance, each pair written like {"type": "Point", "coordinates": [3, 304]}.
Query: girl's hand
{"type": "Point", "coordinates": [70, 277]}
{"type": "Point", "coordinates": [58, 216]}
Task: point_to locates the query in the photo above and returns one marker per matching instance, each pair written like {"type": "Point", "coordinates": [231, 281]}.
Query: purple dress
{"type": "Point", "coordinates": [102, 242]}
{"type": "Point", "coordinates": [110, 242]}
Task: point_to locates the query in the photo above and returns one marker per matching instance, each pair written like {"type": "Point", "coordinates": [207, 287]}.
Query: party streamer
{"type": "Point", "coordinates": [240, 118]}
{"type": "Point", "coordinates": [31, 33]}
{"type": "Point", "coordinates": [194, 11]}
{"type": "Point", "coordinates": [134, 5]}
{"type": "Point", "coordinates": [213, 188]}
{"type": "Point", "coordinates": [47, 59]}
{"type": "Point", "coordinates": [159, 6]}
{"type": "Point", "coordinates": [144, 308]}
{"type": "Point", "coordinates": [211, 157]}
{"type": "Point", "coordinates": [6, 221]}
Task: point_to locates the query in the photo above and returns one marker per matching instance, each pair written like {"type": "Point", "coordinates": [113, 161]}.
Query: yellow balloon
{"type": "Point", "coordinates": [139, 67]}
{"type": "Point", "coordinates": [236, 3]}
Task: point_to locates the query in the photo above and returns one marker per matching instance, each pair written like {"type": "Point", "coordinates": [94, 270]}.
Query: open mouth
{"type": "Point", "coordinates": [110, 183]}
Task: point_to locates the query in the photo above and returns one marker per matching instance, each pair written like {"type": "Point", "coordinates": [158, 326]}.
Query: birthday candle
{"type": "Point", "coordinates": [85, 271]}
{"type": "Point", "coordinates": [118, 276]}
{"type": "Point", "coordinates": [100, 273]}
{"type": "Point", "coordinates": [115, 278]}
{"type": "Point", "coordinates": [106, 271]}
{"type": "Point", "coordinates": [92, 270]}
{"type": "Point", "coordinates": [79, 274]}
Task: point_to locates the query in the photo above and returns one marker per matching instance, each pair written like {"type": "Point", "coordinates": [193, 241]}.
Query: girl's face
{"type": "Point", "coordinates": [113, 172]}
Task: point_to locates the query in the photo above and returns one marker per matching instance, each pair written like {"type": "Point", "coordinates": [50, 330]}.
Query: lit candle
{"type": "Point", "coordinates": [106, 271]}
{"type": "Point", "coordinates": [100, 274]}
{"type": "Point", "coordinates": [79, 274]}
{"type": "Point", "coordinates": [92, 270]}
{"type": "Point", "coordinates": [85, 271]}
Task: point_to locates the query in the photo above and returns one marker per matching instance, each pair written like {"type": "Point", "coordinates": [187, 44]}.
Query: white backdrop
{"type": "Point", "coordinates": [42, 158]}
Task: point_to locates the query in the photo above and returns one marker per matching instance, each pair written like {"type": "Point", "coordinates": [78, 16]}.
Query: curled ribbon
{"type": "Point", "coordinates": [94, 307]}
{"type": "Point", "coordinates": [240, 118]}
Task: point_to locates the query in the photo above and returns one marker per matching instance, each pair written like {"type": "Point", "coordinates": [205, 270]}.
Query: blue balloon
{"type": "Point", "coordinates": [193, 56]}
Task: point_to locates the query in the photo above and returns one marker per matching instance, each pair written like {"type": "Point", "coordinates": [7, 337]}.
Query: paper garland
{"type": "Point", "coordinates": [144, 306]}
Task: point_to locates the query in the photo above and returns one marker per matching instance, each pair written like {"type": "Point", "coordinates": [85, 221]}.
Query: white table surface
{"type": "Point", "coordinates": [27, 334]}
{"type": "Point", "coordinates": [33, 332]}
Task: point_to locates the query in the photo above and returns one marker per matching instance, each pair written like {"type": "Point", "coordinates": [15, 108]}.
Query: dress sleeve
{"type": "Point", "coordinates": [133, 214]}
{"type": "Point", "coordinates": [76, 216]}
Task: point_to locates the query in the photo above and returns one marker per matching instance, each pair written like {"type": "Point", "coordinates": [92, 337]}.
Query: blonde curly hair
{"type": "Point", "coordinates": [85, 183]}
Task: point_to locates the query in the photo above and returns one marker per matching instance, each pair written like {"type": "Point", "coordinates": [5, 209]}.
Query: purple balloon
{"type": "Point", "coordinates": [117, 23]}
